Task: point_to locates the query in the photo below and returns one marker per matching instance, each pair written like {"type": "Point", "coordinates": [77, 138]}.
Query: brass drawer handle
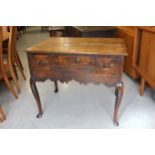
{"type": "Point", "coordinates": [106, 66]}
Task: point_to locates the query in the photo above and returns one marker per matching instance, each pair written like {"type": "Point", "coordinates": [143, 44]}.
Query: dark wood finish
{"type": "Point", "coordinates": [144, 58]}
{"type": "Point", "coordinates": [119, 94]}
{"type": "Point", "coordinates": [56, 86]}
{"type": "Point", "coordinates": [90, 31]}
{"type": "Point", "coordinates": [36, 95]}
{"type": "Point", "coordinates": [82, 59]}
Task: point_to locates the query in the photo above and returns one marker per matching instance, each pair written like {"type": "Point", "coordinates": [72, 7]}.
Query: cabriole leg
{"type": "Point", "coordinates": [56, 86]}
{"type": "Point", "coordinates": [119, 93]}
{"type": "Point", "coordinates": [36, 95]}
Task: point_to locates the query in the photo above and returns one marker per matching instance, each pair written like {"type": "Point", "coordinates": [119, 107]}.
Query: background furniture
{"type": "Point", "coordinates": [90, 31]}
{"type": "Point", "coordinates": [44, 27]}
{"type": "Point", "coordinates": [97, 60]}
{"type": "Point", "coordinates": [20, 30]}
{"type": "Point", "coordinates": [54, 30]}
{"type": "Point", "coordinates": [144, 56]}
{"type": "Point", "coordinates": [128, 33]}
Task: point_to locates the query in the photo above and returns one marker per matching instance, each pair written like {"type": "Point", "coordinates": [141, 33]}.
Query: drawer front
{"type": "Point", "coordinates": [73, 60]}
{"type": "Point", "coordinates": [108, 69]}
{"type": "Point", "coordinates": [108, 66]}
{"type": "Point", "coordinates": [40, 62]}
{"type": "Point", "coordinates": [73, 66]}
{"type": "Point", "coordinates": [40, 65]}
{"type": "Point", "coordinates": [78, 73]}
{"type": "Point", "coordinates": [97, 69]}
{"type": "Point", "coordinates": [74, 71]}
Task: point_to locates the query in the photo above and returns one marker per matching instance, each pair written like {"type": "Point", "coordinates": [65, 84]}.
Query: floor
{"type": "Point", "coordinates": [75, 106]}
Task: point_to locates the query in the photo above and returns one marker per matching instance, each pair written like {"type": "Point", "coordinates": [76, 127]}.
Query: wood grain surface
{"type": "Point", "coordinates": [101, 46]}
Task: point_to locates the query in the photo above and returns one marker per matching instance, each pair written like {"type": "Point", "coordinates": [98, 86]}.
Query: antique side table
{"type": "Point", "coordinates": [97, 60]}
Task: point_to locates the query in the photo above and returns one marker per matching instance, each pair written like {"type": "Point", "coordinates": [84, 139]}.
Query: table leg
{"type": "Point", "coordinates": [56, 86]}
{"type": "Point", "coordinates": [36, 95]}
{"type": "Point", "coordinates": [119, 93]}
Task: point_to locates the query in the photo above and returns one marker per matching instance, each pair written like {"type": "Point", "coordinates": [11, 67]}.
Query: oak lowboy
{"type": "Point", "coordinates": [97, 60]}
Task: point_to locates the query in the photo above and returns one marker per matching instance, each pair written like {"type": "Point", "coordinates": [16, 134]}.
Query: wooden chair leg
{"type": "Point", "coordinates": [15, 71]}
{"type": "Point", "coordinates": [2, 114]}
{"type": "Point", "coordinates": [142, 87]}
{"type": "Point", "coordinates": [18, 61]}
{"type": "Point", "coordinates": [22, 72]}
{"type": "Point", "coordinates": [14, 78]}
{"type": "Point", "coordinates": [19, 64]}
{"type": "Point", "coordinates": [10, 86]}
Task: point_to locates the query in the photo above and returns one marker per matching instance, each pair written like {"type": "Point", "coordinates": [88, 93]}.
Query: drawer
{"type": "Point", "coordinates": [74, 60]}
{"type": "Point", "coordinates": [40, 65]}
{"type": "Point", "coordinates": [86, 74]}
{"type": "Point", "coordinates": [70, 70]}
{"type": "Point", "coordinates": [40, 62]}
{"type": "Point", "coordinates": [108, 66]}
{"type": "Point", "coordinates": [78, 73]}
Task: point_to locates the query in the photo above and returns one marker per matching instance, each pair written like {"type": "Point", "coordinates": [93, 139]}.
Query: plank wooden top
{"type": "Point", "coordinates": [100, 46]}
